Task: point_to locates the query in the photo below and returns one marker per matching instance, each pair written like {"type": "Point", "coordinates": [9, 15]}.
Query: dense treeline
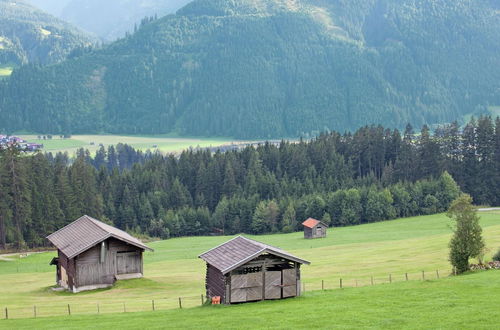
{"type": "Point", "coordinates": [269, 69]}
{"type": "Point", "coordinates": [371, 175]}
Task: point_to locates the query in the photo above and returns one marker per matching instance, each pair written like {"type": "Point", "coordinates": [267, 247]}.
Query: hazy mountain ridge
{"type": "Point", "coordinates": [109, 19]}
{"type": "Point", "coordinates": [28, 35]}
{"type": "Point", "coordinates": [254, 68]}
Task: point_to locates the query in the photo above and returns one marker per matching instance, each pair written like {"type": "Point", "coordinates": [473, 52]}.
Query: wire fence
{"type": "Point", "coordinates": [143, 305]}
{"type": "Point", "coordinates": [352, 281]}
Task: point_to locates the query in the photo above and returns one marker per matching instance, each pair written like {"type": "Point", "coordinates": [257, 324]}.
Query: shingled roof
{"type": "Point", "coordinates": [239, 251]}
{"type": "Point", "coordinates": [311, 222]}
{"type": "Point", "coordinates": [85, 232]}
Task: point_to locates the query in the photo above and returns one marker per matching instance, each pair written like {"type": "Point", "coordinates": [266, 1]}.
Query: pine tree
{"type": "Point", "coordinates": [19, 193]}
{"type": "Point", "coordinates": [496, 177]}
{"type": "Point", "coordinates": [5, 202]}
{"type": "Point", "coordinates": [429, 155]}
{"type": "Point", "coordinates": [485, 146]}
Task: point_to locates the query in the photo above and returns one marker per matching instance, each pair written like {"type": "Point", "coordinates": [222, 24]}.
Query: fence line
{"type": "Point", "coordinates": [157, 304]}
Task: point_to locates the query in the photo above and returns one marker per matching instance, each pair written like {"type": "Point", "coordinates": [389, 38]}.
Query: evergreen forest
{"type": "Point", "coordinates": [345, 179]}
{"type": "Point", "coordinates": [270, 69]}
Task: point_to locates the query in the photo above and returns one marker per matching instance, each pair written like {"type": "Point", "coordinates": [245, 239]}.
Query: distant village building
{"type": "Point", "coordinates": [92, 255]}
{"type": "Point", "coordinates": [314, 228]}
{"type": "Point", "coordinates": [7, 141]}
{"type": "Point", "coordinates": [243, 270]}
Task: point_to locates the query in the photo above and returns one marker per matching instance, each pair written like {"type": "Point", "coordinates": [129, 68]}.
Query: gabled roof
{"type": "Point", "coordinates": [239, 251]}
{"type": "Point", "coordinates": [84, 233]}
{"type": "Point", "coordinates": [311, 223]}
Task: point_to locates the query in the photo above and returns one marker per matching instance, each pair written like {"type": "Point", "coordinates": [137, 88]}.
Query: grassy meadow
{"type": "Point", "coordinates": [352, 253]}
{"type": "Point", "coordinates": [93, 142]}
{"type": "Point", "coordinates": [461, 302]}
{"type": "Point", "coordinates": [5, 71]}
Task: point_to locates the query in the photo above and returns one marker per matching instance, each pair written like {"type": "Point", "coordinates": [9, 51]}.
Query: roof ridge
{"type": "Point", "coordinates": [60, 229]}
{"type": "Point", "coordinates": [95, 222]}
{"type": "Point", "coordinates": [260, 243]}
{"type": "Point", "coordinates": [221, 244]}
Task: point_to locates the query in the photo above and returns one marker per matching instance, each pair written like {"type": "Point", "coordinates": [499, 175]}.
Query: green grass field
{"type": "Point", "coordinates": [92, 142]}
{"type": "Point", "coordinates": [5, 71]}
{"type": "Point", "coordinates": [173, 270]}
{"type": "Point", "coordinates": [462, 302]}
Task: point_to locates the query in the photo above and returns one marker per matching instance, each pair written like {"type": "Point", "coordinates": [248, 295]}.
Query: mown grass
{"type": "Point", "coordinates": [462, 302]}
{"type": "Point", "coordinates": [93, 142]}
{"type": "Point", "coordinates": [354, 254]}
{"type": "Point", "coordinates": [5, 71]}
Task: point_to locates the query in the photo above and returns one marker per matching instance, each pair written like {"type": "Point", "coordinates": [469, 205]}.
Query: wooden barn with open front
{"type": "Point", "coordinates": [242, 270]}
{"type": "Point", "coordinates": [92, 255]}
{"type": "Point", "coordinates": [314, 228]}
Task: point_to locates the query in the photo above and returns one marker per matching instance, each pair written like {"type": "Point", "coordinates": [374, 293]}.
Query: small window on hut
{"type": "Point", "coordinates": [104, 249]}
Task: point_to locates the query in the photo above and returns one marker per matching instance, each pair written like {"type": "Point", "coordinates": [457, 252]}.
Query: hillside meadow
{"type": "Point", "coordinates": [5, 71]}
{"type": "Point", "coordinates": [173, 270]}
{"type": "Point", "coordinates": [143, 143]}
{"type": "Point", "coordinates": [462, 302]}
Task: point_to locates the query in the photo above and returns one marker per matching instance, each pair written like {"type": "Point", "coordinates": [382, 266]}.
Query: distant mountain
{"type": "Point", "coordinates": [53, 7]}
{"type": "Point", "coordinates": [109, 19]}
{"type": "Point", "coordinates": [272, 68]}
{"type": "Point", "coordinates": [28, 35]}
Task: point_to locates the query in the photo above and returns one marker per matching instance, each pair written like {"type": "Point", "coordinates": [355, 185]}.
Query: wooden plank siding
{"type": "Point", "coordinates": [318, 231]}
{"type": "Point", "coordinates": [215, 283]}
{"type": "Point", "coordinates": [87, 269]}
{"type": "Point", "coordinates": [242, 270]}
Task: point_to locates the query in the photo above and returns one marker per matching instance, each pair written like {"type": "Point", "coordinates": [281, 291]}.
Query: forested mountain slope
{"type": "Point", "coordinates": [109, 19]}
{"type": "Point", "coordinates": [272, 68]}
{"type": "Point", "coordinates": [28, 35]}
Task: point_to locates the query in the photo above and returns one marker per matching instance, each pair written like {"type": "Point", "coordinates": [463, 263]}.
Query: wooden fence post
{"type": "Point", "coordinates": [98, 309]}
{"type": "Point", "coordinates": [304, 287]}
{"type": "Point", "coordinates": [437, 273]}
{"type": "Point", "coordinates": [406, 275]}
{"type": "Point", "coordinates": [390, 278]}
{"type": "Point", "coordinates": [423, 275]}
{"type": "Point", "coordinates": [202, 299]}
{"type": "Point", "coordinates": [372, 279]}
{"type": "Point", "coordinates": [322, 285]}
{"type": "Point", "coordinates": [180, 302]}
{"type": "Point", "coordinates": [124, 308]}
{"type": "Point", "coordinates": [34, 311]}
{"type": "Point", "coordinates": [341, 283]}
{"type": "Point", "coordinates": [153, 304]}
{"type": "Point", "coordinates": [69, 310]}
{"type": "Point", "coordinates": [6, 313]}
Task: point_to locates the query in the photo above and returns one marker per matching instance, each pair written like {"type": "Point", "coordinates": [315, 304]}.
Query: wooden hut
{"type": "Point", "coordinates": [242, 270]}
{"type": "Point", "coordinates": [92, 255]}
{"type": "Point", "coordinates": [314, 228]}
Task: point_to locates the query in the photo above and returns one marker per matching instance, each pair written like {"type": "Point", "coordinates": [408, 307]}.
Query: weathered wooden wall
{"type": "Point", "coordinates": [215, 283]}
{"type": "Point", "coordinates": [69, 269]}
{"type": "Point", "coordinates": [308, 232]}
{"type": "Point", "coordinates": [265, 277]}
{"type": "Point", "coordinates": [314, 232]}
{"type": "Point", "coordinates": [91, 271]}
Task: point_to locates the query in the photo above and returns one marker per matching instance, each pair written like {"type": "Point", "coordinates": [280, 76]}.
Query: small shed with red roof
{"type": "Point", "coordinates": [314, 228]}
